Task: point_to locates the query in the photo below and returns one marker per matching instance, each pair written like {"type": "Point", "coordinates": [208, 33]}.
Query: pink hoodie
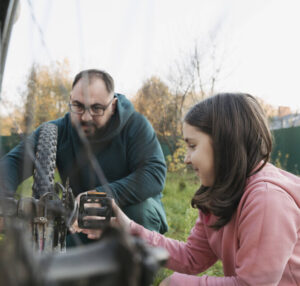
{"type": "Point", "coordinates": [259, 246]}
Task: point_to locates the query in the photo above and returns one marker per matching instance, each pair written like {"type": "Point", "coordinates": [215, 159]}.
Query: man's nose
{"type": "Point", "coordinates": [86, 116]}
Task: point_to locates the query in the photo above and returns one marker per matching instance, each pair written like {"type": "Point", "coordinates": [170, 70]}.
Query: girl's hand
{"type": "Point", "coordinates": [120, 219]}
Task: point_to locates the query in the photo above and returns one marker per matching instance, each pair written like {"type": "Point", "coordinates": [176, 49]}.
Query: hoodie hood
{"type": "Point", "coordinates": [279, 178]}
{"type": "Point", "coordinates": [124, 110]}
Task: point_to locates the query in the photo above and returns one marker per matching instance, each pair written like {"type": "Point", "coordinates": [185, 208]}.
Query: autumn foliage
{"type": "Point", "coordinates": [47, 95]}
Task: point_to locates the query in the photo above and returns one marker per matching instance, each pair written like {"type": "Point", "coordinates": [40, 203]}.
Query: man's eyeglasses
{"type": "Point", "coordinates": [94, 110]}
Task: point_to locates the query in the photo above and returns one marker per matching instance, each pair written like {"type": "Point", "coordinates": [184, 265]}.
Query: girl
{"type": "Point", "coordinates": [249, 210]}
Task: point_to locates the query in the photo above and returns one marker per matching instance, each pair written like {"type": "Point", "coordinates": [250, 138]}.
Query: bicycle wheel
{"type": "Point", "coordinates": [45, 161]}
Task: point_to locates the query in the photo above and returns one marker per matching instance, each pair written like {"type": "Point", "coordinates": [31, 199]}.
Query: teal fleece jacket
{"type": "Point", "coordinates": [128, 153]}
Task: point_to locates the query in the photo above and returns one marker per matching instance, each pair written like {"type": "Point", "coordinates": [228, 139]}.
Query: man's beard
{"type": "Point", "coordinates": [91, 130]}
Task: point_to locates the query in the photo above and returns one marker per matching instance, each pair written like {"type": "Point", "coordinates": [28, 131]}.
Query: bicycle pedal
{"type": "Point", "coordinates": [103, 211]}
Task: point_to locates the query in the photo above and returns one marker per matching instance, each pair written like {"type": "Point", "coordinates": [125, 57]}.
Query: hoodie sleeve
{"type": "Point", "coordinates": [146, 164]}
{"type": "Point", "coordinates": [191, 257]}
{"type": "Point", "coordinates": [17, 165]}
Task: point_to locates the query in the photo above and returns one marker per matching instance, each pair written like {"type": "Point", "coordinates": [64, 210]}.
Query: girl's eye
{"type": "Point", "coordinates": [191, 146]}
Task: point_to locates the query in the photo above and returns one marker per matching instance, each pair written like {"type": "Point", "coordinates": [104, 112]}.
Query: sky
{"type": "Point", "coordinates": [135, 39]}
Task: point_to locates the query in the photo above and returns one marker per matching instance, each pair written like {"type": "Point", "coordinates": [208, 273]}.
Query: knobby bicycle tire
{"type": "Point", "coordinates": [45, 160]}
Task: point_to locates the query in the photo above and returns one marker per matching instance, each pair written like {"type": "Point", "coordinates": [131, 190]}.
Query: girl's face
{"type": "Point", "coordinates": [199, 153]}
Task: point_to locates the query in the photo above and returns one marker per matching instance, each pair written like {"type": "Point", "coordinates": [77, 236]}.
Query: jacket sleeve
{"type": "Point", "coordinates": [192, 257]}
{"type": "Point", "coordinates": [147, 168]}
{"type": "Point", "coordinates": [17, 165]}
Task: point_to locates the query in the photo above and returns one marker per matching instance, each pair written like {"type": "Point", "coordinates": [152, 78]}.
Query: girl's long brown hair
{"type": "Point", "coordinates": [241, 141]}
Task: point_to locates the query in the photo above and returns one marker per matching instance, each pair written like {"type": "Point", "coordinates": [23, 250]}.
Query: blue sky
{"type": "Point", "coordinates": [134, 39]}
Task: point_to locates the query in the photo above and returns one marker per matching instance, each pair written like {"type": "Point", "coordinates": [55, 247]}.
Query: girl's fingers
{"type": "Point", "coordinates": [121, 218]}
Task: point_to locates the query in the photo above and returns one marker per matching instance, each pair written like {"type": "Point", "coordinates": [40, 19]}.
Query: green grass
{"type": "Point", "coordinates": [25, 189]}
{"type": "Point", "coordinates": [179, 189]}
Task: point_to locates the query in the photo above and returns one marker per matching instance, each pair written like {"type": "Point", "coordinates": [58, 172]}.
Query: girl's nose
{"type": "Point", "coordinates": [187, 159]}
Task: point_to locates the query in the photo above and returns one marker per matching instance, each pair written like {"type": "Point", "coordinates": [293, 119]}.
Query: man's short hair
{"type": "Point", "coordinates": [92, 74]}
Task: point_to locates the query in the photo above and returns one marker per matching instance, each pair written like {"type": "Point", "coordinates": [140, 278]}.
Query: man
{"type": "Point", "coordinates": [121, 141]}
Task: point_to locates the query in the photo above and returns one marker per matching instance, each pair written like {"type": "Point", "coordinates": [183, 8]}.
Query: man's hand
{"type": "Point", "coordinates": [91, 233]}
{"type": "Point", "coordinates": [120, 220]}
{"type": "Point", "coordinates": [74, 227]}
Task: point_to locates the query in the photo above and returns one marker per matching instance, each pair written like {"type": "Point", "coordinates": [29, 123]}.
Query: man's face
{"type": "Point", "coordinates": [93, 96]}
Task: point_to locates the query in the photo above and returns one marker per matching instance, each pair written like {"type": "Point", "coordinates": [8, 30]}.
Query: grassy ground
{"type": "Point", "coordinates": [181, 216]}
{"type": "Point", "coordinates": [25, 189]}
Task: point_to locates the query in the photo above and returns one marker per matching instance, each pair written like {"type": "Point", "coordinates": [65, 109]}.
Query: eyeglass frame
{"type": "Point", "coordinates": [88, 108]}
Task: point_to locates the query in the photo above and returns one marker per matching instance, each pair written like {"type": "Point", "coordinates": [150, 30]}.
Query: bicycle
{"type": "Point", "coordinates": [33, 251]}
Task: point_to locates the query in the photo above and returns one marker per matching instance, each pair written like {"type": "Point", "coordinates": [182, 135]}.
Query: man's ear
{"type": "Point", "coordinates": [114, 104]}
